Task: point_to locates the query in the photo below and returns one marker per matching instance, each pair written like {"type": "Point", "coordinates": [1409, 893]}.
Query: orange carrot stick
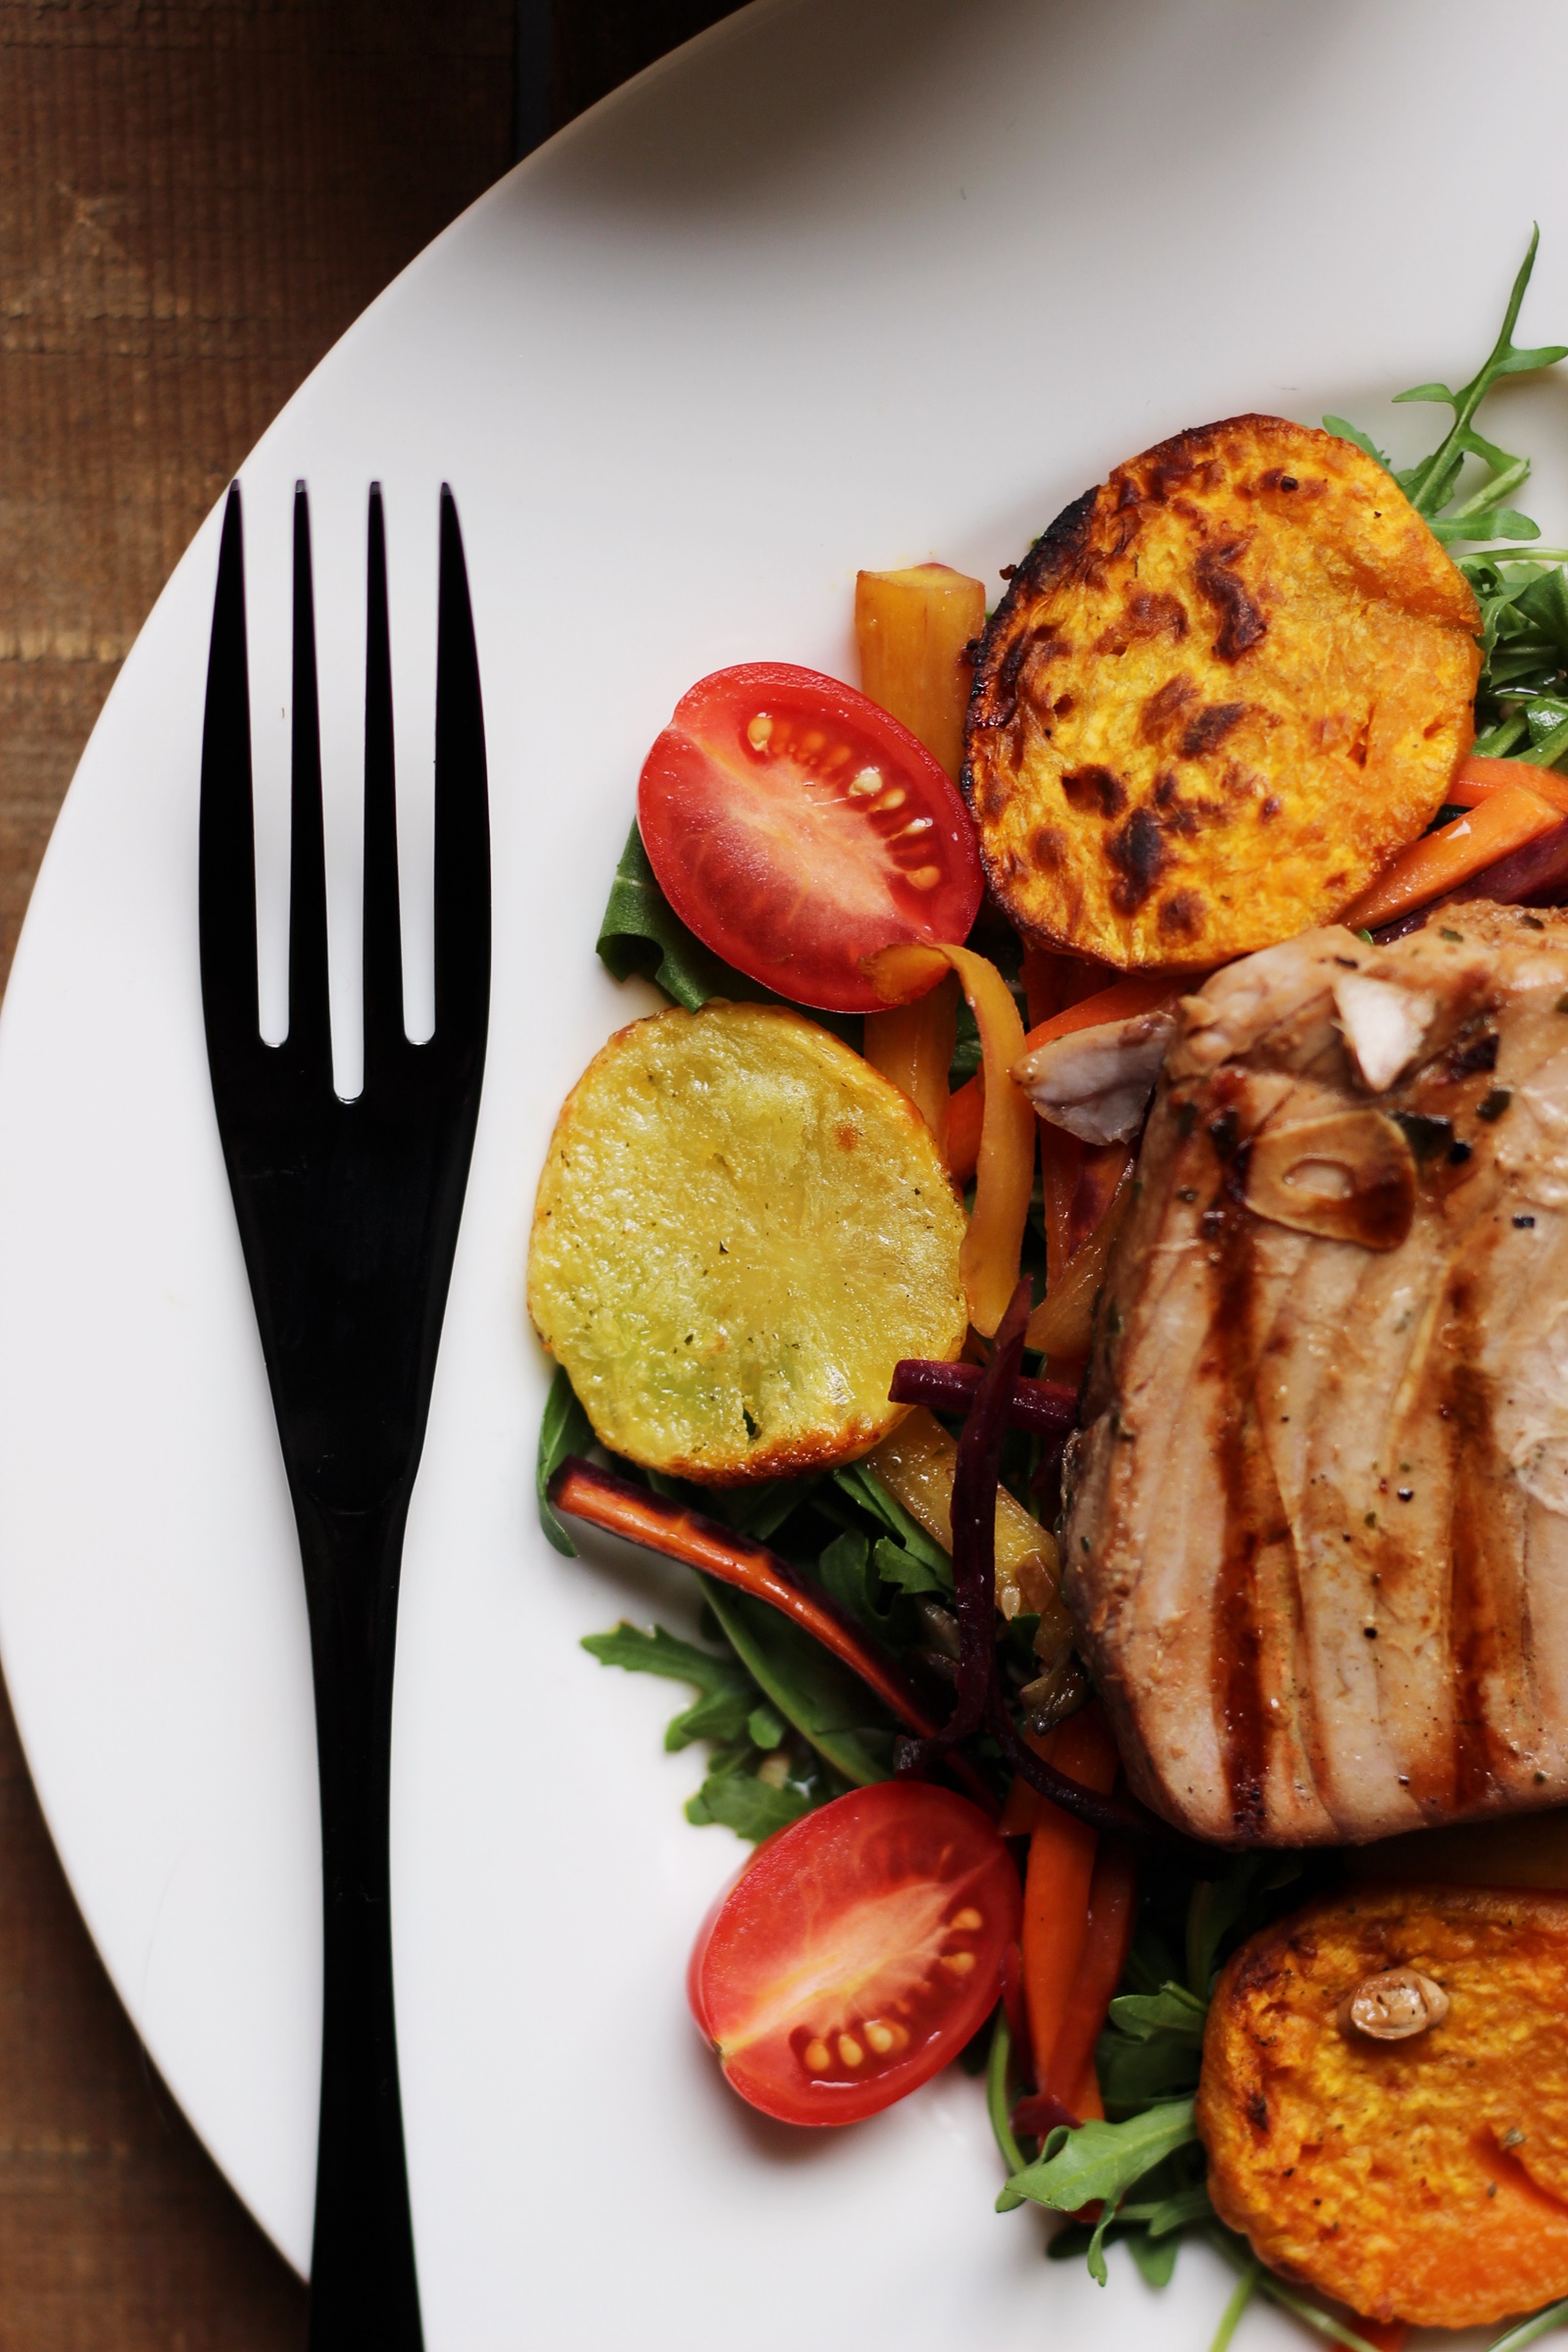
{"type": "Point", "coordinates": [1061, 1861]}
{"type": "Point", "coordinates": [584, 1491]}
{"type": "Point", "coordinates": [1123, 1000]}
{"type": "Point", "coordinates": [1005, 1171]}
{"type": "Point", "coordinates": [1478, 777]}
{"type": "Point", "coordinates": [1112, 1916]}
{"type": "Point", "coordinates": [1503, 821]}
{"type": "Point", "coordinates": [913, 1046]}
{"type": "Point", "coordinates": [966, 1112]}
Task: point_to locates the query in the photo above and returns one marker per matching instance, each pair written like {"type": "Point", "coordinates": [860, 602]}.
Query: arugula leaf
{"type": "Point", "coordinates": [1101, 2160]}
{"type": "Point", "coordinates": [1135, 2075]}
{"type": "Point", "coordinates": [862, 1486]}
{"type": "Point", "coordinates": [1514, 2340]}
{"type": "Point", "coordinates": [640, 932]}
{"type": "Point", "coordinates": [758, 1511]}
{"type": "Point", "coordinates": [753, 1808]}
{"type": "Point", "coordinates": [1156, 2257]}
{"type": "Point", "coordinates": [729, 1695]}
{"type": "Point", "coordinates": [1344, 430]}
{"type": "Point", "coordinates": [846, 1572]}
{"type": "Point", "coordinates": [1430, 484]}
{"type": "Point", "coordinates": [1170, 2010]}
{"type": "Point", "coordinates": [563, 1428]}
{"type": "Point", "coordinates": [907, 1570]}
{"type": "Point", "coordinates": [828, 1704]}
{"type": "Point", "coordinates": [1221, 1906]}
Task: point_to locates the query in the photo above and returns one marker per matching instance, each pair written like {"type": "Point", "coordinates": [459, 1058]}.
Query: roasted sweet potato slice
{"type": "Point", "coordinates": [1417, 2170]}
{"type": "Point", "coordinates": [740, 1229]}
{"type": "Point", "coordinates": [1221, 691]}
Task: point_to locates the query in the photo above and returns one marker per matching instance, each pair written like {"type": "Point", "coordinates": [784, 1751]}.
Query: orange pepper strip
{"type": "Point", "coordinates": [1061, 1325]}
{"type": "Point", "coordinates": [1505, 820]}
{"type": "Point", "coordinates": [913, 1046]}
{"type": "Point", "coordinates": [967, 1113]}
{"type": "Point", "coordinates": [1478, 777]}
{"type": "Point", "coordinates": [914, 630]}
{"type": "Point", "coordinates": [1061, 1862]}
{"type": "Point", "coordinates": [1124, 1001]}
{"type": "Point", "coordinates": [1004, 1172]}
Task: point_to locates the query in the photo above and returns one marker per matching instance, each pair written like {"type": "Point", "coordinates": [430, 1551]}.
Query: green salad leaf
{"type": "Point", "coordinates": [826, 1705]}
{"type": "Point", "coordinates": [641, 933]}
{"type": "Point", "coordinates": [729, 1695]}
{"type": "Point", "coordinates": [754, 1809]}
{"type": "Point", "coordinates": [1101, 2160]}
{"type": "Point", "coordinates": [564, 1428]}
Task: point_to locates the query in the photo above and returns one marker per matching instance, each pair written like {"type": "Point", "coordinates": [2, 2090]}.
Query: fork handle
{"type": "Point", "coordinates": [365, 2294]}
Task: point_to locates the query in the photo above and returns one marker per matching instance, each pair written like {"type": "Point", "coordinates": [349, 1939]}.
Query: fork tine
{"type": "Point", "coordinates": [383, 942]}
{"type": "Point", "coordinates": [310, 1032]}
{"type": "Point", "coordinates": [461, 811]}
{"type": "Point", "coordinates": [227, 897]}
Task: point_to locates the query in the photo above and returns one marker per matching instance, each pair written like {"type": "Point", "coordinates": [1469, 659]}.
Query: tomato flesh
{"type": "Point", "coordinates": [857, 1954]}
{"type": "Point", "coordinates": [797, 828]}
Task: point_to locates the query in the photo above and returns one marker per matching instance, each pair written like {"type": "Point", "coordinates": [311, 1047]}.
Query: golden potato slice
{"type": "Point", "coordinates": [1221, 691]}
{"type": "Point", "coordinates": [741, 1226]}
{"type": "Point", "coordinates": [1422, 2178]}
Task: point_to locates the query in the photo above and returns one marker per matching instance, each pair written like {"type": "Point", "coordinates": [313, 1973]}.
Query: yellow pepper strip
{"type": "Point", "coordinates": [913, 1046]}
{"type": "Point", "coordinates": [915, 629]}
{"type": "Point", "coordinates": [1063, 1324]}
{"type": "Point", "coordinates": [1004, 1172]}
{"type": "Point", "coordinates": [1503, 821]}
{"type": "Point", "coordinates": [1480, 777]}
{"type": "Point", "coordinates": [915, 1464]}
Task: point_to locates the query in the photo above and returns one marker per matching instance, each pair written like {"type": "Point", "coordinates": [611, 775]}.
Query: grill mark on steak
{"type": "Point", "coordinates": [1317, 1537]}
{"type": "Point", "coordinates": [1236, 1669]}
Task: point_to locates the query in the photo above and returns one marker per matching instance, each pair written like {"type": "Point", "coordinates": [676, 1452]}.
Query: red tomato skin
{"type": "Point", "coordinates": [786, 874]}
{"type": "Point", "coordinates": [807, 1877]}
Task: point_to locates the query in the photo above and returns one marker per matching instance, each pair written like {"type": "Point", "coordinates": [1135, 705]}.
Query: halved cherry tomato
{"type": "Point", "coordinates": [796, 828]}
{"type": "Point", "coordinates": [857, 1953]}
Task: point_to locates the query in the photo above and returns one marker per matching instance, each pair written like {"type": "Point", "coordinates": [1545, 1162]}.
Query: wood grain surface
{"type": "Point", "coordinates": [196, 198]}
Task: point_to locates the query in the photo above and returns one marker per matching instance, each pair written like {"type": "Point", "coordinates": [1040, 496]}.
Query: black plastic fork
{"type": "Point", "coordinates": [347, 1213]}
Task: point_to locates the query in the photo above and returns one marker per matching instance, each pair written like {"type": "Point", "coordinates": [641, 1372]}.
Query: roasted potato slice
{"type": "Point", "coordinates": [741, 1226]}
{"type": "Point", "coordinates": [1221, 691]}
{"type": "Point", "coordinates": [1402, 2143]}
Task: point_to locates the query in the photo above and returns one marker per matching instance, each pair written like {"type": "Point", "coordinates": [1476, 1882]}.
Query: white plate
{"type": "Point", "coordinates": [848, 281]}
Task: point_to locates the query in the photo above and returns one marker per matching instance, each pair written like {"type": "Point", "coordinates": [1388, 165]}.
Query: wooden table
{"type": "Point", "coordinates": [196, 198]}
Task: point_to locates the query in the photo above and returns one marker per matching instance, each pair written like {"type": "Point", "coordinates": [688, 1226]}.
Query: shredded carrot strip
{"type": "Point", "coordinates": [1480, 777]}
{"type": "Point", "coordinates": [1061, 1861]}
{"type": "Point", "coordinates": [1505, 820]}
{"type": "Point", "coordinates": [585, 1491]}
{"type": "Point", "coordinates": [913, 1046]}
{"type": "Point", "coordinates": [1005, 1171]}
{"type": "Point", "coordinates": [1124, 1001]}
{"type": "Point", "coordinates": [967, 1113]}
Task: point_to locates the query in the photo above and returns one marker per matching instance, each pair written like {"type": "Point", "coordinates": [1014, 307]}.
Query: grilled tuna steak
{"type": "Point", "coordinates": [1317, 1529]}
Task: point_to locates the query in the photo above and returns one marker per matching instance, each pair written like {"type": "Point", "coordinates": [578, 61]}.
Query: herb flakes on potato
{"type": "Point", "coordinates": [1413, 2172]}
{"type": "Point", "coordinates": [740, 1229]}
{"type": "Point", "coordinates": [1221, 691]}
